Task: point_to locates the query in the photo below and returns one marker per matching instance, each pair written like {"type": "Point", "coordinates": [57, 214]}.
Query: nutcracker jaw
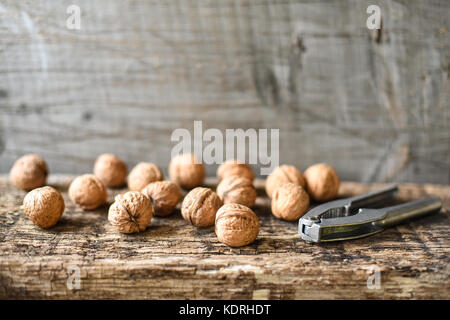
{"type": "Point", "coordinates": [355, 217]}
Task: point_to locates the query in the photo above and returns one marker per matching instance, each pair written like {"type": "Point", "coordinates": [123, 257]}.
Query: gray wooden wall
{"type": "Point", "coordinates": [374, 104]}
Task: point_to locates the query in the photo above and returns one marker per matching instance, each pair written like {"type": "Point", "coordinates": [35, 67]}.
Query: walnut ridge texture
{"type": "Point", "coordinates": [322, 182]}
{"type": "Point", "coordinates": [237, 189]}
{"type": "Point", "coordinates": [289, 202]}
{"type": "Point", "coordinates": [234, 167]}
{"type": "Point", "coordinates": [111, 170]}
{"type": "Point", "coordinates": [28, 172]}
{"type": "Point", "coordinates": [199, 207]}
{"type": "Point", "coordinates": [44, 206]}
{"type": "Point", "coordinates": [143, 174]}
{"type": "Point", "coordinates": [281, 175]}
{"type": "Point", "coordinates": [131, 212]}
{"type": "Point", "coordinates": [88, 192]}
{"type": "Point", "coordinates": [164, 196]}
{"type": "Point", "coordinates": [187, 171]}
{"type": "Point", "coordinates": [236, 225]}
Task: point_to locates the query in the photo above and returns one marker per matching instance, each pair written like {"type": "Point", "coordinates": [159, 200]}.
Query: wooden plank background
{"type": "Point", "coordinates": [374, 104]}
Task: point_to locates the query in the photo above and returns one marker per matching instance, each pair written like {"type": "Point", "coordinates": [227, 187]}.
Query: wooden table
{"type": "Point", "coordinates": [173, 260]}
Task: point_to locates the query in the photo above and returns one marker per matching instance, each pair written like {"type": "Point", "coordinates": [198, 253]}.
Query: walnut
{"type": "Point", "coordinates": [199, 207]}
{"type": "Point", "coordinates": [88, 192]}
{"type": "Point", "coordinates": [187, 171]}
{"type": "Point", "coordinates": [44, 206]}
{"type": "Point", "coordinates": [164, 196]}
{"type": "Point", "coordinates": [131, 212]}
{"type": "Point", "coordinates": [236, 189]}
{"type": "Point", "coordinates": [236, 225]}
{"type": "Point", "coordinates": [322, 182]}
{"type": "Point", "coordinates": [143, 174]}
{"type": "Point", "coordinates": [289, 202]}
{"type": "Point", "coordinates": [29, 172]}
{"type": "Point", "coordinates": [111, 170]}
{"type": "Point", "coordinates": [281, 175]}
{"type": "Point", "coordinates": [233, 167]}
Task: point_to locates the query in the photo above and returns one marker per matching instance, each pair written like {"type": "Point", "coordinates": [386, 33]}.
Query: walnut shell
{"type": "Point", "coordinates": [236, 225]}
{"type": "Point", "coordinates": [143, 174]}
{"type": "Point", "coordinates": [199, 207]}
{"type": "Point", "coordinates": [29, 172]}
{"type": "Point", "coordinates": [322, 182]}
{"type": "Point", "coordinates": [234, 167]}
{"type": "Point", "coordinates": [164, 196]}
{"type": "Point", "coordinates": [131, 212]}
{"type": "Point", "coordinates": [281, 175]}
{"type": "Point", "coordinates": [235, 189]}
{"type": "Point", "coordinates": [186, 171]}
{"type": "Point", "coordinates": [44, 206]}
{"type": "Point", "coordinates": [111, 170]}
{"type": "Point", "coordinates": [88, 192]}
{"type": "Point", "coordinates": [290, 202]}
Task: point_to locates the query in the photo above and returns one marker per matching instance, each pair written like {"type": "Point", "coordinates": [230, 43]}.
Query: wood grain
{"type": "Point", "coordinates": [174, 260]}
{"type": "Point", "coordinates": [373, 104]}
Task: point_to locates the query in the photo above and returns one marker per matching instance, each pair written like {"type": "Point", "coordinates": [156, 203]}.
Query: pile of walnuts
{"type": "Point", "coordinates": [228, 209]}
{"type": "Point", "coordinates": [290, 190]}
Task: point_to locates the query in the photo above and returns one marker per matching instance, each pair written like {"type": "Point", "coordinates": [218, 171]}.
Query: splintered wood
{"type": "Point", "coordinates": [84, 257]}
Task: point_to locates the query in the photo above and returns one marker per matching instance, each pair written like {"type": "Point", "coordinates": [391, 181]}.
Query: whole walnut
{"type": "Point", "coordinates": [322, 182]}
{"type": "Point", "coordinates": [111, 170]}
{"type": "Point", "coordinates": [131, 212]}
{"type": "Point", "coordinates": [164, 196]}
{"type": "Point", "coordinates": [199, 207]}
{"type": "Point", "coordinates": [44, 206]}
{"type": "Point", "coordinates": [236, 225]}
{"type": "Point", "coordinates": [88, 192]}
{"type": "Point", "coordinates": [186, 171]}
{"type": "Point", "coordinates": [236, 189]}
{"type": "Point", "coordinates": [143, 174]}
{"type": "Point", "coordinates": [290, 202]}
{"type": "Point", "coordinates": [29, 172]}
{"type": "Point", "coordinates": [281, 175]}
{"type": "Point", "coordinates": [234, 167]}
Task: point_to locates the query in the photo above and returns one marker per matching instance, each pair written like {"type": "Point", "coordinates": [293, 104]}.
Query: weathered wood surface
{"type": "Point", "coordinates": [175, 260]}
{"type": "Point", "coordinates": [374, 104]}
